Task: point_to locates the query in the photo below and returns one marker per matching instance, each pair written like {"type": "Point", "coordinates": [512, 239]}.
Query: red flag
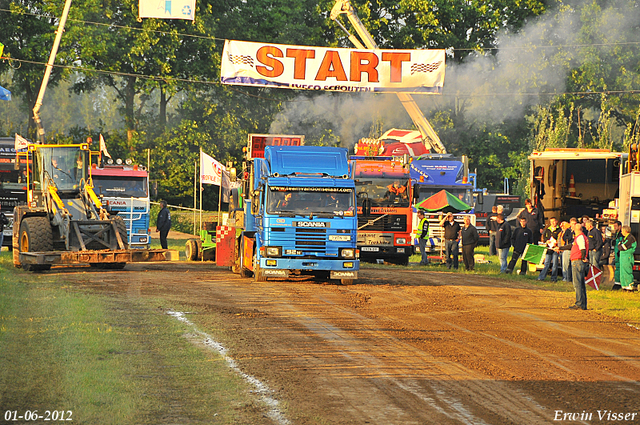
{"type": "Point", "coordinates": [594, 276]}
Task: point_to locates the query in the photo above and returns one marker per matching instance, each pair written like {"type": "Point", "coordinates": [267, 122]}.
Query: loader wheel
{"type": "Point", "coordinates": [35, 236]}
{"type": "Point", "coordinates": [122, 229]}
{"type": "Point", "coordinates": [191, 250]}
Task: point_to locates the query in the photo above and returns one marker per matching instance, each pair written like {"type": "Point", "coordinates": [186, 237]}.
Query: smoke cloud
{"type": "Point", "coordinates": [530, 68]}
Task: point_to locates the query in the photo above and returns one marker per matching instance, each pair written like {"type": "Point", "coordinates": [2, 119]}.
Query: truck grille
{"type": "Point", "coordinates": [395, 223]}
{"type": "Point", "coordinates": [311, 239]}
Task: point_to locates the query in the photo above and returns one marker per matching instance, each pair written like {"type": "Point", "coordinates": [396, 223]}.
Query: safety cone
{"type": "Point", "coordinates": [572, 187]}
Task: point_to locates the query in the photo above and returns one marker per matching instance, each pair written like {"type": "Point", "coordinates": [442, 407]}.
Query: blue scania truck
{"type": "Point", "coordinates": [298, 214]}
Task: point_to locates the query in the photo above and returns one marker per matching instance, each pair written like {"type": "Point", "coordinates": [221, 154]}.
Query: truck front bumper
{"type": "Point", "coordinates": [280, 267]}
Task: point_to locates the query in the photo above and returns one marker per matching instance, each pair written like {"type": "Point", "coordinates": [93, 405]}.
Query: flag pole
{"type": "Point", "coordinates": [201, 191]}
{"type": "Point", "coordinates": [220, 202]}
{"type": "Point", "coordinates": [195, 191]}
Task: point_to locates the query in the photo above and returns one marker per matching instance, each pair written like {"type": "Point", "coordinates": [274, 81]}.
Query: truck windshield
{"type": "Point", "coordinates": [306, 200]}
{"type": "Point", "coordinates": [384, 191]}
{"type": "Point", "coordinates": [66, 167]}
{"type": "Point", "coordinates": [120, 187]}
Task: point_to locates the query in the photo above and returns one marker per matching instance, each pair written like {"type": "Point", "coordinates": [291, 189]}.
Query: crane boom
{"type": "Point", "coordinates": [47, 72]}
{"type": "Point", "coordinates": [429, 135]}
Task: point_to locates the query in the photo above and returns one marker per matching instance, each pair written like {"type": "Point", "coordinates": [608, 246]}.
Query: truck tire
{"type": "Point", "coordinates": [257, 274]}
{"type": "Point", "coordinates": [244, 272]}
{"type": "Point", "coordinates": [122, 229]}
{"type": "Point", "coordinates": [191, 250]}
{"type": "Point", "coordinates": [35, 236]}
{"type": "Point", "coordinates": [346, 282]}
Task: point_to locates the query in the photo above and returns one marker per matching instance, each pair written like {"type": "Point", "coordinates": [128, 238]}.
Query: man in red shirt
{"type": "Point", "coordinates": [579, 265]}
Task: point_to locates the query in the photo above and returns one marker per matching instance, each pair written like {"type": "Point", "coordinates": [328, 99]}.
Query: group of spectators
{"type": "Point", "coordinates": [571, 246]}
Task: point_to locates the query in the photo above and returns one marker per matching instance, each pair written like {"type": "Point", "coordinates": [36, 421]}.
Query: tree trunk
{"type": "Point", "coordinates": [129, 118]}
{"type": "Point", "coordinates": [162, 119]}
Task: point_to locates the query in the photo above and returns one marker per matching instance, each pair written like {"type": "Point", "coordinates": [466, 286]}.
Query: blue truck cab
{"type": "Point", "coordinates": [300, 214]}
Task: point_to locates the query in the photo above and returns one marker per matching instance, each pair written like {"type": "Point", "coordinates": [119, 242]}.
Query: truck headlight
{"type": "Point", "coordinates": [348, 253]}
{"type": "Point", "coordinates": [273, 251]}
{"type": "Point", "coordinates": [401, 241]}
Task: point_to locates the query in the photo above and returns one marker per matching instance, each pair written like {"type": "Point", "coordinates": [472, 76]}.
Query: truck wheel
{"type": "Point", "coordinates": [257, 274]}
{"type": "Point", "coordinates": [122, 229]}
{"type": "Point", "coordinates": [244, 272]}
{"type": "Point", "coordinates": [35, 236]}
{"type": "Point", "coordinates": [191, 250]}
{"type": "Point", "coordinates": [346, 282]}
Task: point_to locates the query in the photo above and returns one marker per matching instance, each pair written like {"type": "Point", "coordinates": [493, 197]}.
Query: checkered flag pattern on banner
{"type": "Point", "coordinates": [425, 67]}
{"type": "Point", "coordinates": [241, 60]}
{"type": "Point", "coordinates": [594, 276]}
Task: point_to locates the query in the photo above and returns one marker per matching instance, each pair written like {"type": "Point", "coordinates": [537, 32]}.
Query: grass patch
{"type": "Point", "coordinates": [109, 359]}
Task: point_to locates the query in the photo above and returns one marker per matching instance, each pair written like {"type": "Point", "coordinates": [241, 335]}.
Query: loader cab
{"type": "Point", "coordinates": [65, 167]}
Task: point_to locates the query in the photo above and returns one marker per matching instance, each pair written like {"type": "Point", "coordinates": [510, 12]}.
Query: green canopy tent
{"type": "Point", "coordinates": [443, 201]}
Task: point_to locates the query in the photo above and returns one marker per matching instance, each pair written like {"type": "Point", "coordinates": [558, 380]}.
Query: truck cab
{"type": "Point", "coordinates": [299, 214]}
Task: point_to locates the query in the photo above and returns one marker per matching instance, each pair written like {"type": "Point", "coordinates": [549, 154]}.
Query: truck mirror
{"type": "Point", "coordinates": [255, 202]}
{"type": "Point", "coordinates": [416, 191]}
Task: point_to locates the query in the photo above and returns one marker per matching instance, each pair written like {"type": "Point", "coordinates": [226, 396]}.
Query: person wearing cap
{"type": "Point", "coordinates": [451, 240]}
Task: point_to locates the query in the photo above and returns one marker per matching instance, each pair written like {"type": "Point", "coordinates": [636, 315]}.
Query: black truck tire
{"type": "Point", "coordinates": [35, 236]}
{"type": "Point", "coordinates": [257, 274]}
{"type": "Point", "coordinates": [191, 250]}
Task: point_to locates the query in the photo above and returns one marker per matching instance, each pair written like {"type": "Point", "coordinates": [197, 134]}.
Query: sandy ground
{"type": "Point", "coordinates": [403, 346]}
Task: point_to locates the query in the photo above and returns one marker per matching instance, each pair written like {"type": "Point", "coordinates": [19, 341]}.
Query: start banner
{"type": "Point", "coordinates": [335, 69]}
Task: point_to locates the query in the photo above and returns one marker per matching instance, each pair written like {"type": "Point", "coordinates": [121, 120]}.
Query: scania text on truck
{"type": "Point", "coordinates": [299, 214]}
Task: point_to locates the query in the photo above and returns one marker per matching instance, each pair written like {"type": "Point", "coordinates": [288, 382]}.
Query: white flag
{"type": "Point", "coordinates": [167, 9]}
{"type": "Point", "coordinates": [103, 147]}
{"type": "Point", "coordinates": [21, 142]}
{"type": "Point", "coordinates": [210, 170]}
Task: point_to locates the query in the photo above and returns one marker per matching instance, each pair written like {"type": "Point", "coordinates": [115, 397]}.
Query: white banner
{"type": "Point", "coordinates": [322, 68]}
{"type": "Point", "coordinates": [210, 170]}
{"type": "Point", "coordinates": [20, 142]}
{"type": "Point", "coordinates": [167, 9]}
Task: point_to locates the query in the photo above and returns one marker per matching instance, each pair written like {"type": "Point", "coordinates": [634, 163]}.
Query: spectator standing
{"type": "Point", "coordinates": [579, 266]}
{"type": "Point", "coordinates": [519, 239]}
{"type": "Point", "coordinates": [3, 222]}
{"type": "Point", "coordinates": [469, 242]}
{"type": "Point", "coordinates": [492, 226]}
{"type": "Point", "coordinates": [535, 222]}
{"type": "Point", "coordinates": [550, 237]}
{"type": "Point", "coordinates": [627, 247]}
{"type": "Point", "coordinates": [566, 241]}
{"type": "Point", "coordinates": [163, 223]}
{"type": "Point", "coordinates": [422, 233]}
{"type": "Point", "coordinates": [451, 239]}
{"type": "Point", "coordinates": [595, 242]}
{"type": "Point", "coordinates": [617, 238]}
{"type": "Point", "coordinates": [503, 241]}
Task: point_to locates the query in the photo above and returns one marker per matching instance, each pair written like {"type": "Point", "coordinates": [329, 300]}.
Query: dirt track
{"type": "Point", "coordinates": [405, 347]}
